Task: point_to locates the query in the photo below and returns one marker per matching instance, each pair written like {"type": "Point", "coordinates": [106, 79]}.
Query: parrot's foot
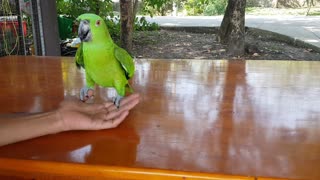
{"type": "Point", "coordinates": [116, 100]}
{"type": "Point", "coordinates": [86, 94]}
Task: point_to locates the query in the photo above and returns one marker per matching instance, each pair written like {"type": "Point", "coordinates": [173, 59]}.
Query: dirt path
{"type": "Point", "coordinates": [167, 44]}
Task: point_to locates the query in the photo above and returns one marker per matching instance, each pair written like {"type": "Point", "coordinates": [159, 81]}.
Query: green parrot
{"type": "Point", "coordinates": [104, 62]}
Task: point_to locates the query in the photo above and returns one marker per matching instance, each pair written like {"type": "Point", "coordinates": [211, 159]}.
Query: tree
{"type": "Point", "coordinates": [128, 12]}
{"type": "Point", "coordinates": [275, 3]}
{"type": "Point", "coordinates": [309, 4]}
{"type": "Point", "coordinates": [135, 6]}
{"type": "Point", "coordinates": [232, 29]}
{"type": "Point", "coordinates": [126, 20]}
{"type": "Point", "coordinates": [74, 8]}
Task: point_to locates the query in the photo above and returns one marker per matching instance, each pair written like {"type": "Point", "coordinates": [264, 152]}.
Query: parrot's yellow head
{"type": "Point", "coordinates": [92, 27]}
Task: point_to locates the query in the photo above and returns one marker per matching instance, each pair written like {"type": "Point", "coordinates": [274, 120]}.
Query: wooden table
{"type": "Point", "coordinates": [198, 119]}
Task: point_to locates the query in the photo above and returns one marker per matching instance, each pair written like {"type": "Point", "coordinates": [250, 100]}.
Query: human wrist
{"type": "Point", "coordinates": [59, 122]}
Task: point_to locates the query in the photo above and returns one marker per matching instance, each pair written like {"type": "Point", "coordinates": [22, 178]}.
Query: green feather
{"type": "Point", "coordinates": [79, 57]}
{"type": "Point", "coordinates": [126, 61]}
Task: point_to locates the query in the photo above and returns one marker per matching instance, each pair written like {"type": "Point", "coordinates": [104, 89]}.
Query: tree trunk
{"type": "Point", "coordinates": [275, 3]}
{"type": "Point", "coordinates": [135, 4]}
{"type": "Point", "coordinates": [232, 29]}
{"type": "Point", "coordinates": [126, 28]}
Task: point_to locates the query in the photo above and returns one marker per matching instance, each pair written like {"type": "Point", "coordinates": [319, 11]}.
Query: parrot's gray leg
{"type": "Point", "coordinates": [84, 93]}
{"type": "Point", "coordinates": [116, 101]}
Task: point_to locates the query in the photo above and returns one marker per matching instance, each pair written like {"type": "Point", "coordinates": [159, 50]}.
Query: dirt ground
{"type": "Point", "coordinates": [169, 44]}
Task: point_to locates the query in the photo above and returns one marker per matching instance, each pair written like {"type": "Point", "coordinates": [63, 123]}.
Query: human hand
{"type": "Point", "coordinates": [76, 115]}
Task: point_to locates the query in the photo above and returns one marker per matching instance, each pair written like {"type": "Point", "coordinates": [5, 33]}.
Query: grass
{"type": "Point", "coordinates": [314, 11]}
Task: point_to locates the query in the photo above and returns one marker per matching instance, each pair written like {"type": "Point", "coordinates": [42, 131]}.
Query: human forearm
{"type": "Point", "coordinates": [26, 127]}
{"type": "Point", "coordinates": [70, 115]}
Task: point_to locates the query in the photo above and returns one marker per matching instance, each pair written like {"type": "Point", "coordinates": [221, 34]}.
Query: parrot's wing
{"type": "Point", "coordinates": [79, 57]}
{"type": "Point", "coordinates": [125, 60]}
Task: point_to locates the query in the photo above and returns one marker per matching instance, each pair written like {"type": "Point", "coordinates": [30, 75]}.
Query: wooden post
{"type": "Point", "coordinates": [45, 28]}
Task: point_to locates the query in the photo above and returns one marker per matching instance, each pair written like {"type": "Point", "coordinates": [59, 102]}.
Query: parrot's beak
{"type": "Point", "coordinates": [84, 32]}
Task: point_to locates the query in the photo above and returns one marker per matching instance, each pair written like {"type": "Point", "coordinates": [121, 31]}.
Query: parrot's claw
{"type": "Point", "coordinates": [86, 94]}
{"type": "Point", "coordinates": [116, 101]}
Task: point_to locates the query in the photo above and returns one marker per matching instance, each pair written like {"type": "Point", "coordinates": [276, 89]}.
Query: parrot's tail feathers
{"type": "Point", "coordinates": [129, 88]}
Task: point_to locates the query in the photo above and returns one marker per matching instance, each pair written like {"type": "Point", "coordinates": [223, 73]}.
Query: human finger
{"type": "Point", "coordinates": [129, 98]}
{"type": "Point", "coordinates": [132, 100]}
{"type": "Point", "coordinates": [125, 107]}
{"type": "Point", "coordinates": [114, 122]}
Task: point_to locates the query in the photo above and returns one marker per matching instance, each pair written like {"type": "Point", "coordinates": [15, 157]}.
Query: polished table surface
{"type": "Point", "coordinates": [246, 118]}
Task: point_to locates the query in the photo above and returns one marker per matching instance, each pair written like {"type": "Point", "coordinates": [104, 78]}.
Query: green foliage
{"type": "Point", "coordinates": [141, 24]}
{"type": "Point", "coordinates": [159, 7]}
{"type": "Point", "coordinates": [314, 13]}
{"type": "Point", "coordinates": [155, 7]}
{"type": "Point", "coordinates": [216, 7]}
{"type": "Point", "coordinates": [196, 7]}
{"type": "Point", "coordinates": [74, 8]}
{"type": "Point", "coordinates": [114, 27]}
{"type": "Point", "coordinates": [205, 7]}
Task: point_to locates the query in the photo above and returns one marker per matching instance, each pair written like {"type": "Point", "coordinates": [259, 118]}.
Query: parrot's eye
{"type": "Point", "coordinates": [98, 23]}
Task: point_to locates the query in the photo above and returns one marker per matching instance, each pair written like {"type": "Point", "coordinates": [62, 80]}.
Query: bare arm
{"type": "Point", "coordinates": [71, 115]}
{"type": "Point", "coordinates": [27, 127]}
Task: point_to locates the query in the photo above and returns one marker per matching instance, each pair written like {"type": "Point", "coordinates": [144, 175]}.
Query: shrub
{"type": "Point", "coordinates": [215, 8]}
